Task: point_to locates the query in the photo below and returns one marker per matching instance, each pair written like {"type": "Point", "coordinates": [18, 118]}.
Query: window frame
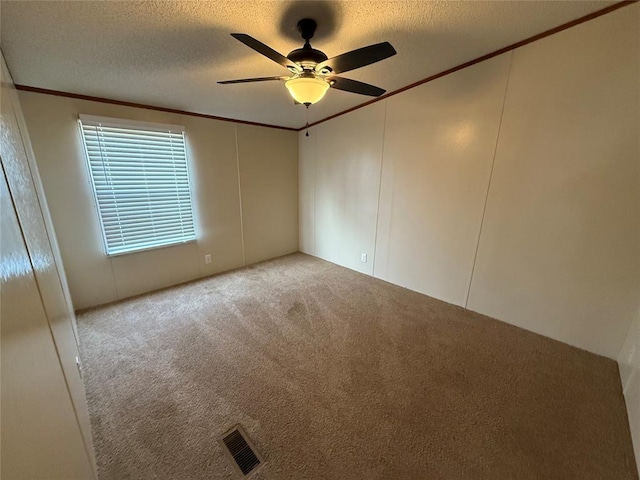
{"type": "Point", "coordinates": [147, 126]}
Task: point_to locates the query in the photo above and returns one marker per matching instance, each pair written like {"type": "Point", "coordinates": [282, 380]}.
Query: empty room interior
{"type": "Point", "coordinates": [320, 240]}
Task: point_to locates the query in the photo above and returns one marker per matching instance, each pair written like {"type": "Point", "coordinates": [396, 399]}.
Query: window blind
{"type": "Point", "coordinates": [141, 183]}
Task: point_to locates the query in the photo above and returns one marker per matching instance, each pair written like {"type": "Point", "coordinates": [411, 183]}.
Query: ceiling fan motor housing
{"type": "Point", "coordinates": [307, 56]}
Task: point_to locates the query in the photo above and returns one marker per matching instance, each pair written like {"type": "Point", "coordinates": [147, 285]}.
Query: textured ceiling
{"type": "Point", "coordinates": [171, 54]}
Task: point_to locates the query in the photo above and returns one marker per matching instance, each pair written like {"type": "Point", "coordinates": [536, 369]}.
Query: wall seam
{"type": "Point", "coordinates": [486, 196]}
{"type": "Point", "coordinates": [244, 258]}
{"type": "Point", "coordinates": [375, 239]}
{"type": "Point", "coordinates": [314, 157]}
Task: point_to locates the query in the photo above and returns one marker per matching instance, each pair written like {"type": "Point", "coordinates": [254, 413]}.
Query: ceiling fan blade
{"type": "Point", "coordinates": [265, 50]}
{"type": "Point", "coordinates": [358, 58]}
{"type": "Point", "coordinates": [355, 86]}
{"type": "Point", "coordinates": [249, 80]}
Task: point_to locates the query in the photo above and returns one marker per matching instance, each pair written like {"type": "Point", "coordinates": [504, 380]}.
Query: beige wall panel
{"type": "Point", "coordinates": [31, 209]}
{"type": "Point", "coordinates": [439, 144]}
{"type": "Point", "coordinates": [153, 269]}
{"type": "Point", "coordinates": [214, 178]}
{"type": "Point", "coordinates": [44, 414]}
{"type": "Point", "coordinates": [44, 209]}
{"type": "Point", "coordinates": [307, 153]}
{"type": "Point", "coordinates": [39, 431]}
{"type": "Point", "coordinates": [558, 253]}
{"type": "Point", "coordinates": [347, 181]}
{"type": "Point", "coordinates": [268, 162]}
{"type": "Point", "coordinates": [95, 278]}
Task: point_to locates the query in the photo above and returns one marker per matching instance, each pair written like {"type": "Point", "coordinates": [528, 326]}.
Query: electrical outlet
{"type": "Point", "coordinates": [363, 257]}
{"type": "Point", "coordinates": [207, 258]}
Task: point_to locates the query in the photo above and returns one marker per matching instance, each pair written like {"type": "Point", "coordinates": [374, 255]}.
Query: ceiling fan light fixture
{"type": "Point", "coordinates": [307, 90]}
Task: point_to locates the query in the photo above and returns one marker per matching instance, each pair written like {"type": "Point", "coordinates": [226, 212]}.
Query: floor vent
{"type": "Point", "coordinates": [242, 453]}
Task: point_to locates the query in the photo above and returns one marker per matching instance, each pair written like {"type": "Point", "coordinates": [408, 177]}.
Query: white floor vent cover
{"type": "Point", "coordinates": [241, 452]}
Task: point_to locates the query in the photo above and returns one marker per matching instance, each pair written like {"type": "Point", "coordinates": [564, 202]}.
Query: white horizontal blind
{"type": "Point", "coordinates": [141, 183]}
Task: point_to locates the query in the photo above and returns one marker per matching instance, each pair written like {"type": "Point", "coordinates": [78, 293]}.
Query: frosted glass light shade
{"type": "Point", "coordinates": [307, 90]}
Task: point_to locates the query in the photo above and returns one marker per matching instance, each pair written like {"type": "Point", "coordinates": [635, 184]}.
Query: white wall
{"type": "Point", "coordinates": [44, 418]}
{"type": "Point", "coordinates": [307, 153]}
{"type": "Point", "coordinates": [629, 362]}
{"type": "Point", "coordinates": [347, 183]}
{"type": "Point", "coordinates": [510, 187]}
{"type": "Point", "coordinates": [438, 152]}
{"type": "Point", "coordinates": [268, 175]}
{"type": "Point", "coordinates": [223, 156]}
{"type": "Point", "coordinates": [559, 252]}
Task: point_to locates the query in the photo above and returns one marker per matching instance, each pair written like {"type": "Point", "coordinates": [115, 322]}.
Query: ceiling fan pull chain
{"type": "Point", "coordinates": [307, 134]}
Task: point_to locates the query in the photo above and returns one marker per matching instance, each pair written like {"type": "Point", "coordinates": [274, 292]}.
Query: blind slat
{"type": "Point", "coordinates": [140, 246]}
{"type": "Point", "coordinates": [128, 170]}
{"type": "Point", "coordinates": [131, 187]}
{"type": "Point", "coordinates": [94, 139]}
{"type": "Point", "coordinates": [170, 238]}
{"type": "Point", "coordinates": [141, 184]}
{"type": "Point", "coordinates": [141, 232]}
{"type": "Point", "coordinates": [142, 222]}
{"type": "Point", "coordinates": [134, 207]}
{"type": "Point", "coordinates": [124, 132]}
{"type": "Point", "coordinates": [102, 147]}
{"type": "Point", "coordinates": [125, 136]}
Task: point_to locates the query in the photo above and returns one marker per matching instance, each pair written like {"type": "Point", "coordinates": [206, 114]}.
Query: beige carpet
{"type": "Point", "coordinates": [336, 375]}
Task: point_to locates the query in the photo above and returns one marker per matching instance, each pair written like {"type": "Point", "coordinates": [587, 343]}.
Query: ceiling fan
{"type": "Point", "coordinates": [312, 72]}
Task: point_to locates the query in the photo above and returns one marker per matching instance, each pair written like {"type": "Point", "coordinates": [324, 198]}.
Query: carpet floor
{"type": "Point", "coordinates": [337, 375]}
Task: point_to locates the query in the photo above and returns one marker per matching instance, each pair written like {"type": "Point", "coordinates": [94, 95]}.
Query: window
{"type": "Point", "coordinates": [141, 183]}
